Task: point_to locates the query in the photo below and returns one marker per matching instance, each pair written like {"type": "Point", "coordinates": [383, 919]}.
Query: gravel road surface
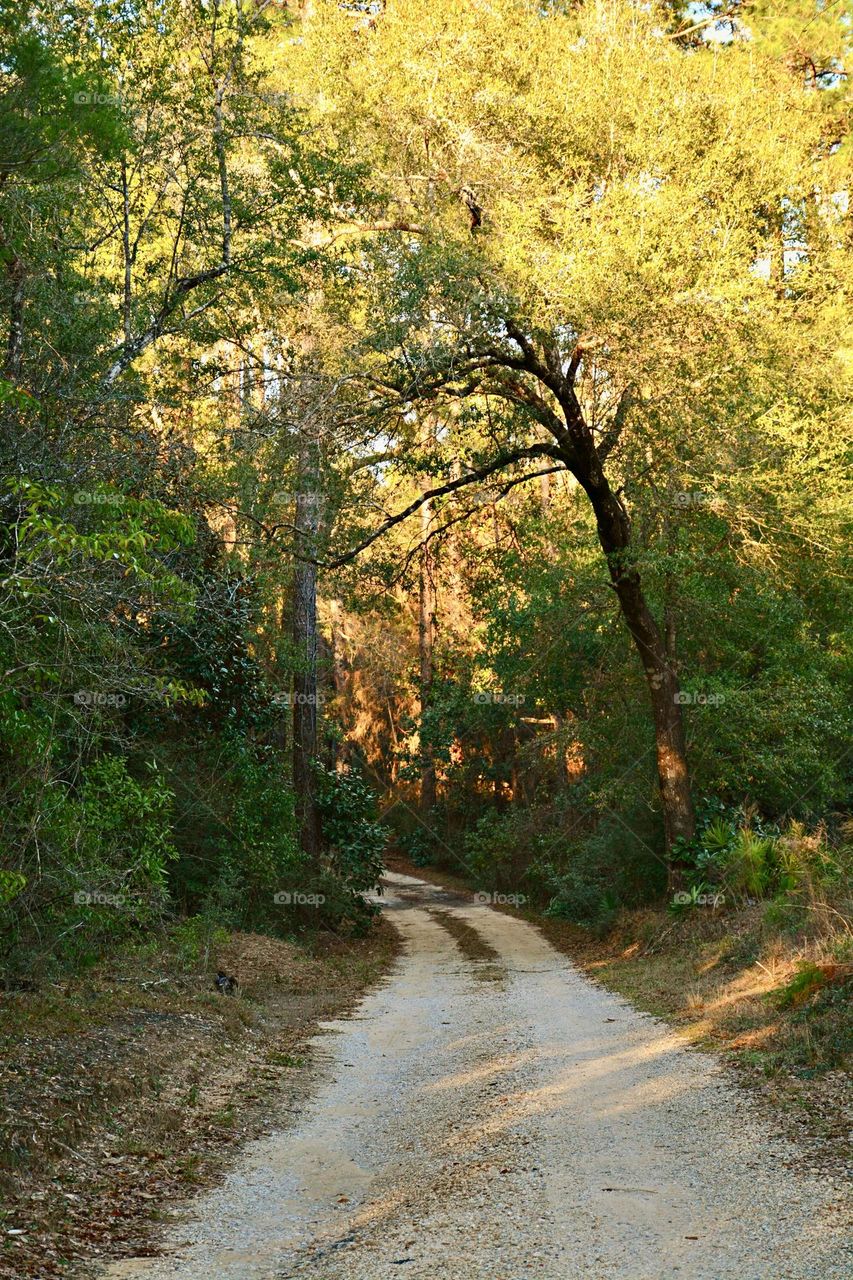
{"type": "Point", "coordinates": [490, 1114]}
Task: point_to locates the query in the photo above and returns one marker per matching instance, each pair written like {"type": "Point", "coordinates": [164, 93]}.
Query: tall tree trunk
{"type": "Point", "coordinates": [127, 292]}
{"type": "Point", "coordinates": [426, 635]}
{"type": "Point", "coordinates": [614, 534]}
{"type": "Point", "coordinates": [334, 748]}
{"type": "Point", "coordinates": [15, 344]}
{"type": "Point", "coordinates": [669, 597]}
{"type": "Point", "coordinates": [305, 645]}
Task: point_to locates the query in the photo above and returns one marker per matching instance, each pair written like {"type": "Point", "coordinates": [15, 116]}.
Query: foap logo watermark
{"type": "Point", "coordinates": [97, 98]}
{"type": "Point", "coordinates": [683, 899]}
{"type": "Point", "coordinates": [683, 699]}
{"type": "Point", "coordinates": [692, 498]}
{"type": "Point", "coordinates": [285, 497]}
{"type": "Point", "coordinates": [95, 898]}
{"type": "Point", "coordinates": [96, 498]}
{"type": "Point", "coordinates": [499, 698]}
{"type": "Point", "coordinates": [500, 899]}
{"type": "Point", "coordinates": [295, 898]}
{"type": "Point", "coordinates": [299, 699]}
{"type": "Point", "coordinates": [97, 698]}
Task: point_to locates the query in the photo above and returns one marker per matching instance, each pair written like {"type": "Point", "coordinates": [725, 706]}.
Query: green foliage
{"type": "Point", "coordinates": [808, 979]}
{"type": "Point", "coordinates": [94, 871]}
{"type": "Point", "coordinates": [419, 845]}
{"type": "Point", "coordinates": [585, 879]}
{"type": "Point", "coordinates": [616, 866]}
{"type": "Point", "coordinates": [826, 1019]}
{"type": "Point", "coordinates": [258, 851]}
{"type": "Point", "coordinates": [196, 937]}
{"type": "Point", "coordinates": [11, 884]}
{"type": "Point", "coordinates": [738, 857]}
{"type": "Point", "coordinates": [154, 372]}
{"type": "Point", "coordinates": [492, 852]}
{"type": "Point", "coordinates": [113, 806]}
{"type": "Point", "coordinates": [748, 867]}
{"type": "Point", "coordinates": [354, 841]}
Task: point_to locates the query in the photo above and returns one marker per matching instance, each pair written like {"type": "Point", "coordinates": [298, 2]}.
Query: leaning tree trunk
{"type": "Point", "coordinates": [426, 632]}
{"type": "Point", "coordinates": [614, 534]}
{"type": "Point", "coordinates": [305, 745]}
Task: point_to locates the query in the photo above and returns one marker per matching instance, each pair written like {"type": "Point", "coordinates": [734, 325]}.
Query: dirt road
{"type": "Point", "coordinates": [489, 1114]}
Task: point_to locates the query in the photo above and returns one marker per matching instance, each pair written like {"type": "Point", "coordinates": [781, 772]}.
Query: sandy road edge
{"type": "Point", "coordinates": [812, 1112]}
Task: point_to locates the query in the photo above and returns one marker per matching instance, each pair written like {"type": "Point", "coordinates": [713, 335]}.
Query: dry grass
{"type": "Point", "coordinates": [126, 1089]}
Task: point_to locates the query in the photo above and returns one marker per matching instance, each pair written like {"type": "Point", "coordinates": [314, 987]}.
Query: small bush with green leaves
{"type": "Point", "coordinates": [354, 845]}
{"type": "Point", "coordinates": [98, 873]}
{"type": "Point", "coordinates": [496, 851]}
{"type": "Point", "coordinates": [196, 938]}
{"type": "Point", "coordinates": [419, 846]}
{"type": "Point", "coordinates": [740, 857]}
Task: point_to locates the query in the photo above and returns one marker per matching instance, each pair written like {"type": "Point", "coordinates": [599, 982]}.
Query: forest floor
{"type": "Point", "coordinates": [724, 983]}
{"type": "Point", "coordinates": [488, 1111]}
{"type": "Point", "coordinates": [130, 1088]}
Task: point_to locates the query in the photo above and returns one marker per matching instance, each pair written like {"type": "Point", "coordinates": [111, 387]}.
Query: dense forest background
{"type": "Point", "coordinates": [564, 285]}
